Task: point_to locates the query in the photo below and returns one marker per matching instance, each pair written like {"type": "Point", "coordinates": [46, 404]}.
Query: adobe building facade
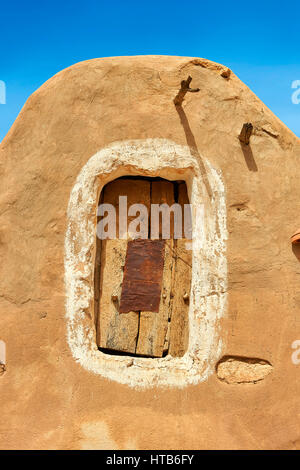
{"type": "Point", "coordinates": [215, 364]}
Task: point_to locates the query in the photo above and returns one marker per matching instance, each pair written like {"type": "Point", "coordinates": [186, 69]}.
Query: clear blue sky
{"type": "Point", "coordinates": [258, 40]}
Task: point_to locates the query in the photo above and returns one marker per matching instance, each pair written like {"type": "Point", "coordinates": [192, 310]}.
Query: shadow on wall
{"type": "Point", "coordinates": [248, 155]}
{"type": "Point", "coordinates": [193, 146]}
{"type": "Point", "coordinates": [246, 149]}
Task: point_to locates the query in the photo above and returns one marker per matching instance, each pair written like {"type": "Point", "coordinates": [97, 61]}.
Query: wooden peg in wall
{"type": "Point", "coordinates": [246, 133]}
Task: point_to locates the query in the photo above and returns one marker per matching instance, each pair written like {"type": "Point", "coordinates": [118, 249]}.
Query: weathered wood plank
{"type": "Point", "coordinates": [152, 340]}
{"type": "Point", "coordinates": [141, 289]}
{"type": "Point", "coordinates": [115, 331]}
{"type": "Point", "coordinates": [179, 330]}
{"type": "Point", "coordinates": [183, 200]}
{"type": "Point", "coordinates": [137, 192]}
{"type": "Point", "coordinates": [162, 192]}
{"type": "Point", "coordinates": [181, 283]}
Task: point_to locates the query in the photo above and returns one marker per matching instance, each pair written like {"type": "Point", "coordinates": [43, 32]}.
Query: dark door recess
{"type": "Point", "coordinates": [142, 286]}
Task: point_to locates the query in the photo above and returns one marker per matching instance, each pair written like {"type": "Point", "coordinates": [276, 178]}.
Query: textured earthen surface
{"type": "Point", "coordinates": [235, 370]}
{"type": "Point", "coordinates": [48, 399]}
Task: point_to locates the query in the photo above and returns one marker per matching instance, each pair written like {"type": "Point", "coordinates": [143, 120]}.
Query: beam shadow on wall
{"type": "Point", "coordinates": [249, 158]}
{"type": "Point", "coordinates": [193, 146]}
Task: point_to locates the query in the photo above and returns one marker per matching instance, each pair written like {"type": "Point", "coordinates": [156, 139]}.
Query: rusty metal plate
{"type": "Point", "coordinates": [143, 274]}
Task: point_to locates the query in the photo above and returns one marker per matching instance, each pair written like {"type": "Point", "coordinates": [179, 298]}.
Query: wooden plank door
{"type": "Point", "coordinates": [144, 273]}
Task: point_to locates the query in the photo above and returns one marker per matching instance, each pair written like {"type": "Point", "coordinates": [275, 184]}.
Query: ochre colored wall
{"type": "Point", "coordinates": [50, 401]}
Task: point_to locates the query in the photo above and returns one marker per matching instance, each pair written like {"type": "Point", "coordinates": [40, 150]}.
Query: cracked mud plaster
{"type": "Point", "coordinates": [149, 157]}
{"type": "Point", "coordinates": [242, 370]}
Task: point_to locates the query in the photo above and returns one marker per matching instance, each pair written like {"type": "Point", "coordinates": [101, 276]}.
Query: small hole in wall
{"type": "Point", "coordinates": [239, 206]}
{"type": "Point", "coordinates": [141, 283]}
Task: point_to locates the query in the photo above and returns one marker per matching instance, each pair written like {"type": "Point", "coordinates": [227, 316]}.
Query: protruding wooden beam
{"type": "Point", "coordinates": [226, 73]}
{"type": "Point", "coordinates": [246, 133]}
{"type": "Point", "coordinates": [185, 87]}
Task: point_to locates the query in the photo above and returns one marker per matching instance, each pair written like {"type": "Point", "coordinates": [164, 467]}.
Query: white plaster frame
{"type": "Point", "coordinates": [208, 300]}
